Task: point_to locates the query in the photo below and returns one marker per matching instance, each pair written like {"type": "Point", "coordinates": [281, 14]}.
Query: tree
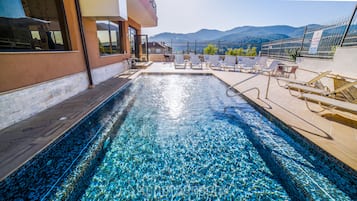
{"type": "Point", "coordinates": [235, 52]}
{"type": "Point", "coordinates": [230, 51]}
{"type": "Point", "coordinates": [239, 52]}
{"type": "Point", "coordinates": [251, 51]}
{"type": "Point", "coordinates": [210, 49]}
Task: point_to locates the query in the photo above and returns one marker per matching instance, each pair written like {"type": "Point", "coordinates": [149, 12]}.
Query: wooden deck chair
{"type": "Point", "coordinates": [179, 62]}
{"type": "Point", "coordinates": [327, 103]}
{"type": "Point", "coordinates": [307, 83]}
{"type": "Point", "coordinates": [322, 92]}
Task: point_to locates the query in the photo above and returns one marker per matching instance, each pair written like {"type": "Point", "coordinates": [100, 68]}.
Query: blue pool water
{"type": "Point", "coordinates": [185, 139]}
{"type": "Point", "coordinates": [179, 137]}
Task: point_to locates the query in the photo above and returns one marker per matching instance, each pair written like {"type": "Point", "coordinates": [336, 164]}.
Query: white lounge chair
{"type": "Point", "coordinates": [206, 59]}
{"type": "Point", "coordinates": [311, 82]}
{"type": "Point", "coordinates": [246, 64]}
{"type": "Point", "coordinates": [261, 63]}
{"type": "Point", "coordinates": [214, 63]}
{"type": "Point", "coordinates": [229, 62]}
{"type": "Point", "coordinates": [328, 103]}
{"type": "Point", "coordinates": [195, 62]}
{"type": "Point", "coordinates": [179, 62]}
{"type": "Point", "coordinates": [271, 68]}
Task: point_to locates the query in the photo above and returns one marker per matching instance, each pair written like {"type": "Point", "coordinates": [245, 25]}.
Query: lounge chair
{"type": "Point", "coordinates": [271, 68]}
{"type": "Point", "coordinates": [214, 63]}
{"type": "Point", "coordinates": [328, 103]}
{"type": "Point", "coordinates": [206, 59]}
{"type": "Point", "coordinates": [322, 92]}
{"type": "Point", "coordinates": [246, 64]}
{"type": "Point", "coordinates": [229, 62]}
{"type": "Point", "coordinates": [307, 83]}
{"type": "Point", "coordinates": [195, 62]}
{"type": "Point", "coordinates": [261, 63]}
{"type": "Point", "coordinates": [179, 62]}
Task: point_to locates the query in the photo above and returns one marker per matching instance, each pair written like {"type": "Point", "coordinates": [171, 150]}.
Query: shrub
{"type": "Point", "coordinates": [210, 49]}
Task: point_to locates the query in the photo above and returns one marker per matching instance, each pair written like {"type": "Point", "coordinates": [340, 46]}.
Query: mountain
{"type": "Point", "coordinates": [243, 36]}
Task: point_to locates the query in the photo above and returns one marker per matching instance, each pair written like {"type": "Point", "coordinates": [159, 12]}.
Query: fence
{"type": "Point", "coordinates": [316, 42]}
{"type": "Point", "coordinates": [186, 47]}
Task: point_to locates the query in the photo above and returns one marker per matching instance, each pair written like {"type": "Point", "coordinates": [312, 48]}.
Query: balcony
{"type": "Point", "coordinates": [143, 12]}
{"type": "Point", "coordinates": [105, 9]}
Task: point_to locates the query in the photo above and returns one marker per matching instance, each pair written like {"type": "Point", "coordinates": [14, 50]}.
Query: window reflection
{"type": "Point", "coordinates": [109, 37]}
{"type": "Point", "coordinates": [132, 34]}
{"type": "Point", "coordinates": [28, 25]}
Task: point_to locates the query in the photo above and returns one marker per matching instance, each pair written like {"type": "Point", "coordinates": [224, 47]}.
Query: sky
{"type": "Point", "coordinates": [188, 16]}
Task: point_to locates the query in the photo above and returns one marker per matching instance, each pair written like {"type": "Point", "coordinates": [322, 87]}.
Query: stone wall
{"type": "Point", "coordinates": [25, 102]}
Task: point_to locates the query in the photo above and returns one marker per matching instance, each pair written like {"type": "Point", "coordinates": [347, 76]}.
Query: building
{"type": "Point", "coordinates": [52, 50]}
{"type": "Point", "coordinates": [159, 48]}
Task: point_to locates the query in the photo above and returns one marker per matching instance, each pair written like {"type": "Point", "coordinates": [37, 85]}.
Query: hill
{"type": "Point", "coordinates": [243, 36]}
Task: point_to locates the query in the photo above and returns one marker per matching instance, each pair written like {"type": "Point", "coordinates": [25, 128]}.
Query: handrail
{"type": "Point", "coordinates": [253, 88]}
{"type": "Point", "coordinates": [256, 88]}
{"type": "Point", "coordinates": [240, 82]}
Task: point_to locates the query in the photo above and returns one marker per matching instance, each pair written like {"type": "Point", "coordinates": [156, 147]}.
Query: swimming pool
{"type": "Point", "coordinates": [179, 137]}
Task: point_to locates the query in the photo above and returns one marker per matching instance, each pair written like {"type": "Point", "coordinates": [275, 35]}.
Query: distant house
{"type": "Point", "coordinates": [159, 48]}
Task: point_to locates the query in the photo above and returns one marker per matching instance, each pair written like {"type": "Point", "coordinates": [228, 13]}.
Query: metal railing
{"type": "Point", "coordinates": [342, 33]}
{"type": "Point", "coordinates": [231, 88]}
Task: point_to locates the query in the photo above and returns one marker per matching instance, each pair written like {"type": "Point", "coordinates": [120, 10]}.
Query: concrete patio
{"type": "Point", "coordinates": [334, 133]}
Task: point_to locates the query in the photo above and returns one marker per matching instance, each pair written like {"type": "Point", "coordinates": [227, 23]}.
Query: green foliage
{"type": "Point", "coordinates": [239, 52]}
{"type": "Point", "coordinates": [251, 51]}
{"type": "Point", "coordinates": [230, 51]}
{"type": "Point", "coordinates": [210, 49]}
{"type": "Point", "coordinates": [333, 49]}
{"type": "Point", "coordinates": [294, 53]}
{"type": "Point", "coordinates": [235, 52]}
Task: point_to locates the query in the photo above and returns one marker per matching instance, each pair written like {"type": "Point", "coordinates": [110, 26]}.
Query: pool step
{"type": "Point", "coordinates": [296, 165]}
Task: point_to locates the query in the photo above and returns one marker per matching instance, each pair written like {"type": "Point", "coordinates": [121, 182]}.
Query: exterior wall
{"type": "Point", "coordinates": [107, 72]}
{"type": "Point", "coordinates": [31, 82]}
{"type": "Point", "coordinates": [343, 63]}
{"type": "Point", "coordinates": [24, 103]}
{"type": "Point", "coordinates": [36, 67]}
{"type": "Point", "coordinates": [157, 57]}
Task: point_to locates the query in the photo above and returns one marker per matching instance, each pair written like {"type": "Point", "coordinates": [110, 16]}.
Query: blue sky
{"type": "Point", "coordinates": [187, 16]}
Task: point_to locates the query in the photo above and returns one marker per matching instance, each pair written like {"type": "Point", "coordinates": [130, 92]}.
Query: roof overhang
{"type": "Point", "coordinates": [143, 12]}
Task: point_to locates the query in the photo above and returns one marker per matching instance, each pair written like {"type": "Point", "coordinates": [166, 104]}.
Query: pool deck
{"type": "Point", "coordinates": [334, 133]}
{"type": "Point", "coordinates": [22, 141]}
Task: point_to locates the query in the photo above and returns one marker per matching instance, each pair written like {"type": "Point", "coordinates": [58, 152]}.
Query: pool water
{"type": "Point", "coordinates": [183, 138]}
{"type": "Point", "coordinates": [179, 137]}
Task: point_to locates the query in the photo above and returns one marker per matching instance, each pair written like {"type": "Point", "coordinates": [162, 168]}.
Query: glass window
{"type": "Point", "coordinates": [28, 25]}
{"type": "Point", "coordinates": [132, 34]}
{"type": "Point", "coordinates": [109, 37]}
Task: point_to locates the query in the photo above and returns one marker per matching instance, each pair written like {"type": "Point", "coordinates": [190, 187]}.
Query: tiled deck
{"type": "Point", "coordinates": [334, 133]}
{"type": "Point", "coordinates": [20, 142]}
